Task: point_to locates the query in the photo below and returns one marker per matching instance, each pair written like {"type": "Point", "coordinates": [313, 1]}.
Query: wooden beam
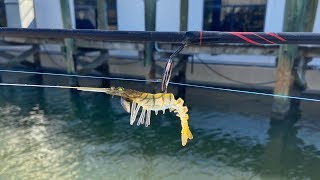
{"type": "Point", "coordinates": [243, 49]}
{"type": "Point", "coordinates": [95, 63]}
{"type": "Point", "coordinates": [18, 59]}
{"type": "Point", "coordinates": [19, 40]}
{"type": "Point", "coordinates": [109, 45]}
{"type": "Point", "coordinates": [6, 55]}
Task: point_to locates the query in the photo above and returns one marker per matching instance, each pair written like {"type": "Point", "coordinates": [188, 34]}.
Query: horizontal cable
{"type": "Point", "coordinates": [246, 92]}
{"type": "Point", "coordinates": [76, 75]}
{"type": "Point", "coordinates": [141, 80]}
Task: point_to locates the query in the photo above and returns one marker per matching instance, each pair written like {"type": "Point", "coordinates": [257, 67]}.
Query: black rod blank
{"type": "Point", "coordinates": [94, 34]}
{"type": "Point", "coordinates": [189, 37]}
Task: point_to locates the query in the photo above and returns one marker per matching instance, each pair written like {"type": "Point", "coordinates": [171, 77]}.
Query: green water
{"type": "Point", "coordinates": [57, 134]}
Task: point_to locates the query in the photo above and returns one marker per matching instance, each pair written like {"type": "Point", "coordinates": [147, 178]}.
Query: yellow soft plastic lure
{"type": "Point", "coordinates": [147, 102]}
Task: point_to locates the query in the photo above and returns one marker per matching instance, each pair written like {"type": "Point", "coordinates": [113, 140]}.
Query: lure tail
{"type": "Point", "coordinates": [184, 117]}
{"type": "Point", "coordinates": [185, 135]}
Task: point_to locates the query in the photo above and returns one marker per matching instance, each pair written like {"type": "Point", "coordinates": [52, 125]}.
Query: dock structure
{"type": "Point", "coordinates": [290, 73]}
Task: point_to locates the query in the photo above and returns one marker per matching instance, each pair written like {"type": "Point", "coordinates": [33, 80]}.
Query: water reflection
{"type": "Point", "coordinates": [285, 154]}
{"type": "Point", "coordinates": [60, 134]}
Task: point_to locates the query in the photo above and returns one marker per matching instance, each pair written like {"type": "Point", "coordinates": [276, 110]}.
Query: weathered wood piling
{"type": "Point", "coordinates": [183, 59]}
{"type": "Point", "coordinates": [299, 16]}
{"type": "Point", "coordinates": [150, 25]}
{"type": "Point", "coordinates": [104, 54]}
{"type": "Point", "coordinates": [69, 43]}
{"type": "Point", "coordinates": [102, 14]}
{"type": "Point", "coordinates": [37, 63]}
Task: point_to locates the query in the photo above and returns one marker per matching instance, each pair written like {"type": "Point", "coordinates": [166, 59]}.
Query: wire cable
{"type": "Point", "coordinates": [183, 84]}
{"type": "Point", "coordinates": [142, 80]}
{"type": "Point", "coordinates": [246, 92]}
{"type": "Point", "coordinates": [230, 79]}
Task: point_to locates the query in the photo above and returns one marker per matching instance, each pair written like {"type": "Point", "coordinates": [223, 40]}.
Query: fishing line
{"type": "Point", "coordinates": [141, 80]}
{"type": "Point", "coordinates": [80, 76]}
{"type": "Point", "coordinates": [245, 92]}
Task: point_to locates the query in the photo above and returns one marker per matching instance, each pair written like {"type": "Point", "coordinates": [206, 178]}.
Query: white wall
{"type": "Point", "coordinates": [274, 16]}
{"type": "Point", "coordinates": [168, 15]}
{"type": "Point", "coordinates": [48, 13]}
{"type": "Point", "coordinates": [195, 15]}
{"type": "Point", "coordinates": [130, 15]}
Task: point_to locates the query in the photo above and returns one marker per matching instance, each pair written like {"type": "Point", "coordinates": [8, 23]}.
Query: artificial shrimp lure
{"type": "Point", "coordinates": [148, 102]}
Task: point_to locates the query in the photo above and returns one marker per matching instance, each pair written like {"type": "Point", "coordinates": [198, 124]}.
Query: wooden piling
{"type": "Point", "coordinates": [37, 58]}
{"type": "Point", "coordinates": [183, 58]}
{"type": "Point", "coordinates": [297, 15]}
{"type": "Point", "coordinates": [69, 43]}
{"type": "Point", "coordinates": [103, 66]}
{"type": "Point", "coordinates": [103, 25]}
{"type": "Point", "coordinates": [37, 63]}
{"type": "Point", "coordinates": [181, 77]}
{"type": "Point", "coordinates": [311, 10]}
{"type": "Point", "coordinates": [184, 15]}
{"type": "Point", "coordinates": [150, 25]}
{"type": "Point", "coordinates": [102, 14]}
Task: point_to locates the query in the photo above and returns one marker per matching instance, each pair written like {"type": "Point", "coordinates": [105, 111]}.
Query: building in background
{"type": "Point", "coordinates": [214, 15]}
{"type": "Point", "coordinates": [226, 15]}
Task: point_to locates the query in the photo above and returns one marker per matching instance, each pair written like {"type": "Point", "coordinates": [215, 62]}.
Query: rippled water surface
{"type": "Point", "coordinates": [58, 134]}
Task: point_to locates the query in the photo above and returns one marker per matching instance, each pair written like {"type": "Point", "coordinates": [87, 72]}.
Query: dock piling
{"type": "Point", "coordinates": [103, 24]}
{"type": "Point", "coordinates": [184, 58]}
{"type": "Point", "coordinates": [181, 76]}
{"type": "Point", "coordinates": [291, 65]}
{"type": "Point", "coordinates": [69, 43]}
{"type": "Point", "coordinates": [150, 25]}
{"type": "Point", "coordinates": [37, 63]}
{"type": "Point", "coordinates": [102, 14]}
